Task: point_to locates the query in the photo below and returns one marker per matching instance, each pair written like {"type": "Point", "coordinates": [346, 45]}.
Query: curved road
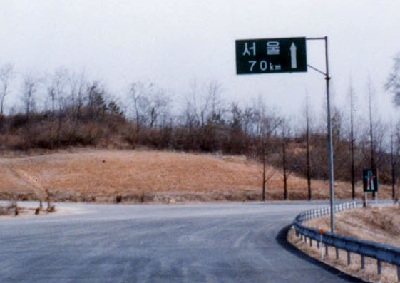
{"type": "Point", "coordinates": [153, 243]}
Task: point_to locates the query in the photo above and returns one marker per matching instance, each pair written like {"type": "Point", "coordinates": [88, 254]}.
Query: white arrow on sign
{"type": "Point", "coordinates": [293, 55]}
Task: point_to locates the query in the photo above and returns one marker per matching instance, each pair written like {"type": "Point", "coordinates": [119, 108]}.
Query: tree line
{"type": "Point", "coordinates": [76, 112]}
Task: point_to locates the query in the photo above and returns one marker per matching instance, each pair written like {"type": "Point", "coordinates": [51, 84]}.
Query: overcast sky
{"type": "Point", "coordinates": [173, 42]}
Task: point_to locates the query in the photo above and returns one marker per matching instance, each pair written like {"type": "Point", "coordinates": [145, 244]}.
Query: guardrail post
{"type": "Point", "coordinates": [362, 262]}
{"type": "Point", "coordinates": [398, 272]}
{"type": "Point", "coordinates": [304, 232]}
{"type": "Point", "coordinates": [379, 266]}
{"type": "Point", "coordinates": [320, 246]}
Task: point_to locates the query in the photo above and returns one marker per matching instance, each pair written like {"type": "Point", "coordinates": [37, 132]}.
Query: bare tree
{"type": "Point", "coordinates": [352, 98]}
{"type": "Point", "coordinates": [393, 81]}
{"type": "Point", "coordinates": [288, 165]}
{"type": "Point", "coordinates": [247, 118]}
{"type": "Point", "coordinates": [371, 132]}
{"type": "Point", "coordinates": [268, 125]}
{"type": "Point", "coordinates": [6, 75]}
{"type": "Point", "coordinates": [77, 85]}
{"type": "Point", "coordinates": [308, 118]}
{"type": "Point", "coordinates": [203, 103]}
{"type": "Point", "coordinates": [137, 93]}
{"type": "Point", "coordinates": [57, 88]}
{"type": "Point", "coordinates": [214, 95]}
{"type": "Point", "coordinates": [203, 114]}
{"type": "Point", "coordinates": [96, 100]}
{"type": "Point", "coordinates": [30, 88]}
{"type": "Point", "coordinates": [189, 112]}
{"type": "Point", "coordinates": [394, 157]}
{"type": "Point", "coordinates": [158, 105]}
{"type": "Point", "coordinates": [150, 104]}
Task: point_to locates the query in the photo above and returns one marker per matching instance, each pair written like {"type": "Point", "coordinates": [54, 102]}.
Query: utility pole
{"type": "Point", "coordinates": [330, 147]}
{"type": "Point", "coordinates": [285, 55]}
{"type": "Point", "coordinates": [308, 157]}
{"type": "Point", "coordinates": [329, 127]}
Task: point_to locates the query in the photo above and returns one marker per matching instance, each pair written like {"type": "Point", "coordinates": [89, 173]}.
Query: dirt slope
{"type": "Point", "coordinates": [102, 175]}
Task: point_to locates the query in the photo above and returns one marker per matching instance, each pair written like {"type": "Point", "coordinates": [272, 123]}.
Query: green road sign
{"type": "Point", "coordinates": [370, 180]}
{"type": "Point", "coordinates": [271, 55]}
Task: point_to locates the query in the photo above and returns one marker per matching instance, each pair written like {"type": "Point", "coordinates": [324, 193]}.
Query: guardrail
{"type": "Point", "coordinates": [380, 252]}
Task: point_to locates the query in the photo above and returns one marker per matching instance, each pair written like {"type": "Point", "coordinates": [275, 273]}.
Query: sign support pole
{"type": "Point", "coordinates": [329, 125]}
{"type": "Point", "coordinates": [276, 60]}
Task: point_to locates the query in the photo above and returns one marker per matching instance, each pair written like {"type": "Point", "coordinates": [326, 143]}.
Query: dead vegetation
{"type": "Point", "coordinates": [13, 209]}
{"type": "Point", "coordinates": [91, 175]}
{"type": "Point", "coordinates": [10, 209]}
{"type": "Point", "coordinates": [378, 224]}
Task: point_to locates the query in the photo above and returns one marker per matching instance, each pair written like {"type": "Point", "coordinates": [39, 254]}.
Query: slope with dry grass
{"type": "Point", "coordinates": [138, 175]}
{"type": "Point", "coordinates": [378, 224]}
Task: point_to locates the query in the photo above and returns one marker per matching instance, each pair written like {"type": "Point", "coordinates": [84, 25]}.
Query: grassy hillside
{"type": "Point", "coordinates": [147, 176]}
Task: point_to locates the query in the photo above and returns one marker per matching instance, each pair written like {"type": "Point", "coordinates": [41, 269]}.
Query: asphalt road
{"type": "Point", "coordinates": [153, 243]}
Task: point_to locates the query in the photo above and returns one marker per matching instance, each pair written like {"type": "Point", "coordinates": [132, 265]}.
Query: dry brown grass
{"type": "Point", "coordinates": [101, 175]}
{"type": "Point", "coordinates": [378, 224]}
